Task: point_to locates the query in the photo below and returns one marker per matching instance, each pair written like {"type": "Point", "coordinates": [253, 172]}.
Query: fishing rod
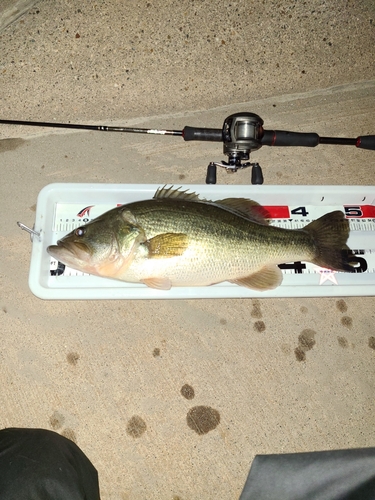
{"type": "Point", "coordinates": [241, 134]}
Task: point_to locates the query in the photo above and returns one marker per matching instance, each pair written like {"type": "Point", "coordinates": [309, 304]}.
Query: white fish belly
{"type": "Point", "coordinates": [200, 266]}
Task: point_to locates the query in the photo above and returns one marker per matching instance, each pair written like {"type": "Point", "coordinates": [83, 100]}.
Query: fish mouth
{"type": "Point", "coordinates": [69, 252]}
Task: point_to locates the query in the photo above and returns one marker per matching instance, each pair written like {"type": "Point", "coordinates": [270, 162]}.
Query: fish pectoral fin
{"type": "Point", "coordinates": [267, 278]}
{"type": "Point", "coordinates": [158, 283]}
{"type": "Point", "coordinates": [167, 245]}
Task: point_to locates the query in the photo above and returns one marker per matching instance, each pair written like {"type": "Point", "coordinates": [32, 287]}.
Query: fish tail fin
{"type": "Point", "coordinates": [330, 233]}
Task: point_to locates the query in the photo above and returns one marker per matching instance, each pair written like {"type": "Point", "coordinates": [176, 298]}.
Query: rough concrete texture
{"type": "Point", "coordinates": [11, 10]}
{"type": "Point", "coordinates": [172, 399]}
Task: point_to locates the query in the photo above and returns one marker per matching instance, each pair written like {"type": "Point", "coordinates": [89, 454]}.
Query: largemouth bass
{"type": "Point", "coordinates": [178, 239]}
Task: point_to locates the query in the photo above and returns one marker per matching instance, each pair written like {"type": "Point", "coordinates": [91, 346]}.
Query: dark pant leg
{"type": "Point", "coordinates": [36, 464]}
{"type": "Point", "coordinates": [326, 475]}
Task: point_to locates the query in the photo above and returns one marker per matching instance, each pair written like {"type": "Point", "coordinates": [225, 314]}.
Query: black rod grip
{"type": "Point", "coordinates": [202, 134]}
{"type": "Point", "coordinates": [339, 141]}
{"type": "Point", "coordinates": [284, 138]}
{"type": "Point", "coordinates": [366, 142]}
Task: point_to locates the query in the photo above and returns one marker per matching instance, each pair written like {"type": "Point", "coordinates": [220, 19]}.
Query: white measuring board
{"type": "Point", "coordinates": [63, 207]}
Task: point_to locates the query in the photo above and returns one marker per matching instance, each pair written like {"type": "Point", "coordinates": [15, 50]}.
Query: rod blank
{"type": "Point", "coordinates": [270, 137]}
{"type": "Point", "coordinates": [101, 128]}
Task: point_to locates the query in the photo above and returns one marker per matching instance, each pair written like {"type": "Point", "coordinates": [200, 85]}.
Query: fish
{"type": "Point", "coordinates": [178, 239]}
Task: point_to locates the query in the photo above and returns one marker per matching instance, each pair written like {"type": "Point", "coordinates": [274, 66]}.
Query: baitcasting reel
{"type": "Point", "coordinates": [241, 134]}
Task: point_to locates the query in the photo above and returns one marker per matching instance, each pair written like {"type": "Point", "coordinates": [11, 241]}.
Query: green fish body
{"type": "Point", "coordinates": [177, 239]}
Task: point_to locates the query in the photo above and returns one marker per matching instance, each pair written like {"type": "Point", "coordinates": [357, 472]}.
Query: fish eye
{"type": "Point", "coordinates": [80, 231]}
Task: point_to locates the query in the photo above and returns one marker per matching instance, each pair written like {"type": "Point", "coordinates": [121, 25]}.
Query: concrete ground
{"type": "Point", "coordinates": [173, 399]}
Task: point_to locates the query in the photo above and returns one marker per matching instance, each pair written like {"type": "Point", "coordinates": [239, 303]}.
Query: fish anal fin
{"type": "Point", "coordinates": [247, 208]}
{"type": "Point", "coordinates": [167, 245]}
{"type": "Point", "coordinates": [158, 283]}
{"type": "Point", "coordinates": [267, 278]}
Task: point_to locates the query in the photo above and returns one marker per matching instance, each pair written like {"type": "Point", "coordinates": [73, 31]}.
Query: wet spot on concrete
{"type": "Point", "coordinates": [10, 144]}
{"type": "Point", "coordinates": [72, 358]}
{"type": "Point", "coordinates": [4, 309]}
{"type": "Point", "coordinates": [259, 326]}
{"type": "Point", "coordinates": [156, 352]}
{"type": "Point", "coordinates": [300, 354]}
{"type": "Point", "coordinates": [182, 177]}
{"type": "Point", "coordinates": [69, 434]}
{"type": "Point", "coordinates": [223, 321]}
{"type": "Point", "coordinates": [33, 208]}
{"type": "Point", "coordinates": [341, 305]}
{"type": "Point", "coordinates": [56, 420]}
{"type": "Point", "coordinates": [187, 391]}
{"type": "Point", "coordinates": [136, 427]}
{"type": "Point", "coordinates": [202, 419]}
{"type": "Point", "coordinates": [343, 342]}
{"type": "Point", "coordinates": [371, 343]}
{"type": "Point", "coordinates": [306, 341]}
{"type": "Point", "coordinates": [303, 309]}
{"type": "Point", "coordinates": [256, 311]}
{"type": "Point", "coordinates": [347, 321]}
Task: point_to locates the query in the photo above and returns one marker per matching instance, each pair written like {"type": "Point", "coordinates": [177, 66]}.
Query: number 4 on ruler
{"type": "Point", "coordinates": [299, 211]}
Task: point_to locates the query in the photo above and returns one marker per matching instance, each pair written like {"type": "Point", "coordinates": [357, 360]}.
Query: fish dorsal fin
{"type": "Point", "coordinates": [167, 245]}
{"type": "Point", "coordinates": [241, 206]}
{"type": "Point", "coordinates": [176, 194]}
{"type": "Point", "coordinates": [268, 278]}
{"type": "Point", "coordinates": [245, 207]}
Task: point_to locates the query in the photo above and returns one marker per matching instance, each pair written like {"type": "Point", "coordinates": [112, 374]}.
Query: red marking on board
{"type": "Point", "coordinates": [368, 211]}
{"type": "Point", "coordinates": [359, 211]}
{"type": "Point", "coordinates": [270, 212]}
{"type": "Point", "coordinates": [277, 212]}
{"type": "Point", "coordinates": [85, 211]}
